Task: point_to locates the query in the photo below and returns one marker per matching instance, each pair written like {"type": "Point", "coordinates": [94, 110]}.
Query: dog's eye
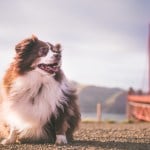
{"type": "Point", "coordinates": [43, 51]}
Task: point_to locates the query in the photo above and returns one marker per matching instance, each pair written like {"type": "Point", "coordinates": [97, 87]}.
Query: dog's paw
{"type": "Point", "coordinates": [61, 139]}
{"type": "Point", "coordinates": [7, 141]}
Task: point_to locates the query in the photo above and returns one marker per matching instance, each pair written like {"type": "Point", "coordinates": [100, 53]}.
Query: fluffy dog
{"type": "Point", "coordinates": [37, 102]}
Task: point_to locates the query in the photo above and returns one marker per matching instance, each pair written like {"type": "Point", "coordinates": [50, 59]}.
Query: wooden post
{"type": "Point", "coordinates": [128, 111]}
{"type": "Point", "coordinates": [128, 108]}
{"type": "Point", "coordinates": [98, 112]}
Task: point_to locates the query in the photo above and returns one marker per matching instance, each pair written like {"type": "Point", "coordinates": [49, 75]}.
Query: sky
{"type": "Point", "coordinates": [104, 42]}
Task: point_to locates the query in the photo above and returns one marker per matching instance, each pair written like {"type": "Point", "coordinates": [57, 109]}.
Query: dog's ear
{"type": "Point", "coordinates": [26, 44]}
{"type": "Point", "coordinates": [57, 48]}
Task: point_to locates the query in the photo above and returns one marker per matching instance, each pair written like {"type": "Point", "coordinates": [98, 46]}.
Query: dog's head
{"type": "Point", "coordinates": [32, 53]}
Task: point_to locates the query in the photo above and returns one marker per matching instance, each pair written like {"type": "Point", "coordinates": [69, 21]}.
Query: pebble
{"type": "Point", "coordinates": [99, 136]}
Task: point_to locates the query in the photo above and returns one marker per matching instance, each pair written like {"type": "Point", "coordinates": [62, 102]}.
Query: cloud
{"type": "Point", "coordinates": [99, 37]}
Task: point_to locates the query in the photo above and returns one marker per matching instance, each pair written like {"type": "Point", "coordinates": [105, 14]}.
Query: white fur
{"type": "Point", "coordinates": [49, 47]}
{"type": "Point", "coordinates": [61, 139]}
{"type": "Point", "coordinates": [11, 139]}
{"type": "Point", "coordinates": [21, 112]}
{"type": "Point", "coordinates": [48, 58]}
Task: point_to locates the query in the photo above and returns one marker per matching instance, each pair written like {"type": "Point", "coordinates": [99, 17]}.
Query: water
{"type": "Point", "coordinates": [104, 117]}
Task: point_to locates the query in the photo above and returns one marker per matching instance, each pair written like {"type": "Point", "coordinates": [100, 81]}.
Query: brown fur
{"type": "Point", "coordinates": [67, 120]}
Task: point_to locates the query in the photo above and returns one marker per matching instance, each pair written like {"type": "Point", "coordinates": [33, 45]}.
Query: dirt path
{"type": "Point", "coordinates": [94, 136]}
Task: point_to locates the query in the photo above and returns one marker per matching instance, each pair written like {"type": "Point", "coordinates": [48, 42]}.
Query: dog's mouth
{"type": "Point", "coordinates": [50, 68]}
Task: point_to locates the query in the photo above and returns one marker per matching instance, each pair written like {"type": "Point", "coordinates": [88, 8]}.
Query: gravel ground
{"type": "Point", "coordinates": [95, 136]}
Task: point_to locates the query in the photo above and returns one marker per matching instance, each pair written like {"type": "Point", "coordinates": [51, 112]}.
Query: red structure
{"type": "Point", "coordinates": [138, 105]}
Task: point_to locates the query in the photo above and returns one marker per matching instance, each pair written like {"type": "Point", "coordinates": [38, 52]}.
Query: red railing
{"type": "Point", "coordinates": [139, 98]}
{"type": "Point", "coordinates": [139, 107]}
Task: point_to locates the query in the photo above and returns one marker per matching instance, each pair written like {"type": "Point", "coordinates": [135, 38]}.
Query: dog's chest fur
{"type": "Point", "coordinates": [33, 99]}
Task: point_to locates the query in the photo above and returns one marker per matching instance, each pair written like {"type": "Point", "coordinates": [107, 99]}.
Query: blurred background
{"type": "Point", "coordinates": [105, 45]}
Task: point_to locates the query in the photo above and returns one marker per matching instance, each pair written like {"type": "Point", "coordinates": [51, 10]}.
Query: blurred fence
{"type": "Point", "coordinates": [138, 107]}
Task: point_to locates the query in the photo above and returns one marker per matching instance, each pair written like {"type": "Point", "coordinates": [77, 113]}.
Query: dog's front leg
{"type": "Point", "coordinates": [61, 129]}
{"type": "Point", "coordinates": [11, 138]}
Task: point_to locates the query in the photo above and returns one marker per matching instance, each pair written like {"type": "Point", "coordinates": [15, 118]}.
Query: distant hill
{"type": "Point", "coordinates": [113, 100]}
{"type": "Point", "coordinates": [116, 103]}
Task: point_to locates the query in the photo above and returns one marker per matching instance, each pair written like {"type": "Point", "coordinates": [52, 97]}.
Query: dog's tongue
{"type": "Point", "coordinates": [50, 68]}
